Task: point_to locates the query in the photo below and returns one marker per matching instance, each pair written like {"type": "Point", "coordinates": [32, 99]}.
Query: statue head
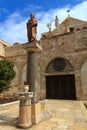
{"type": "Point", "coordinates": [32, 16]}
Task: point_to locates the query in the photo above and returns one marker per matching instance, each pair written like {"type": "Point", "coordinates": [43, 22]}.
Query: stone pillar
{"type": "Point", "coordinates": [33, 50]}
{"type": "Point", "coordinates": [32, 74]}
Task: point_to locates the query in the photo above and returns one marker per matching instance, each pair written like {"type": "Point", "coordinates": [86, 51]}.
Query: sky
{"type": "Point", "coordinates": [14, 15]}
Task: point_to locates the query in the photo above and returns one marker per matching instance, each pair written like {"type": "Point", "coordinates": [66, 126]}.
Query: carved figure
{"type": "Point", "coordinates": [32, 28]}
{"type": "Point", "coordinates": [57, 23]}
{"type": "Point", "coordinates": [49, 26]}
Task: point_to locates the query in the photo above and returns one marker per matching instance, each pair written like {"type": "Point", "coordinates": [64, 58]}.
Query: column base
{"type": "Point", "coordinates": [24, 126]}
{"type": "Point", "coordinates": [36, 113]}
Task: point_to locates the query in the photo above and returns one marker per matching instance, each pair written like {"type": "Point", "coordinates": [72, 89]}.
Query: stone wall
{"type": "Point", "coordinates": [65, 46]}
{"type": "Point", "coordinates": [84, 78]}
{"type": "Point", "coordinates": [3, 45]}
{"type": "Point", "coordinates": [18, 56]}
{"type": "Point", "coordinates": [2, 50]}
{"type": "Point", "coordinates": [72, 22]}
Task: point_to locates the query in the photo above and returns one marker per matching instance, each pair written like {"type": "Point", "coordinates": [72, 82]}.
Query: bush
{"type": "Point", "coordinates": [7, 73]}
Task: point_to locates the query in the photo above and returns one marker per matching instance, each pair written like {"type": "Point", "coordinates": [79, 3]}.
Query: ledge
{"type": "Point", "coordinates": [9, 105]}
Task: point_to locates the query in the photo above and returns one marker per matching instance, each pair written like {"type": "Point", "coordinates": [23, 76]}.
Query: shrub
{"type": "Point", "coordinates": [7, 73]}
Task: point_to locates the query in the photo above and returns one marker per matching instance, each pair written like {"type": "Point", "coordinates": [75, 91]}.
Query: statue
{"type": "Point", "coordinates": [49, 27]}
{"type": "Point", "coordinates": [32, 28]}
{"type": "Point", "coordinates": [57, 23]}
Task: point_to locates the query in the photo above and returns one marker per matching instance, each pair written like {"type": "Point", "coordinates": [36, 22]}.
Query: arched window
{"type": "Point", "coordinates": [59, 65]}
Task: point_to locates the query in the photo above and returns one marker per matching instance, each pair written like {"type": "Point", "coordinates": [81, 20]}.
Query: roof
{"type": "Point", "coordinates": [65, 25]}
{"type": "Point", "coordinates": [70, 21]}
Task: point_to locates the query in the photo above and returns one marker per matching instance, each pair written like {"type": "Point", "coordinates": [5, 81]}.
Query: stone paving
{"type": "Point", "coordinates": [65, 115]}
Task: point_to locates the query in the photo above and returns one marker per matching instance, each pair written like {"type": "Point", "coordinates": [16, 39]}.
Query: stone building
{"type": "Point", "coordinates": [62, 65]}
{"type": "Point", "coordinates": [3, 46]}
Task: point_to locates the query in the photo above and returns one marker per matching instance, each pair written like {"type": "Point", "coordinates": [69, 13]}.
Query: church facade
{"type": "Point", "coordinates": [62, 65]}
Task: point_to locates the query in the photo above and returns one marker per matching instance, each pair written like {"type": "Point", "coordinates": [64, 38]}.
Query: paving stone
{"type": "Point", "coordinates": [81, 124]}
{"type": "Point", "coordinates": [57, 115]}
{"type": "Point", "coordinates": [65, 126]}
{"type": "Point", "coordinates": [77, 128]}
{"type": "Point", "coordinates": [69, 116]}
{"type": "Point", "coordinates": [39, 128]}
{"type": "Point", "coordinates": [43, 123]}
{"type": "Point", "coordinates": [59, 120]}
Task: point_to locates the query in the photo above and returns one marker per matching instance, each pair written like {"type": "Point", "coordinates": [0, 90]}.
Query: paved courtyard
{"type": "Point", "coordinates": [65, 115]}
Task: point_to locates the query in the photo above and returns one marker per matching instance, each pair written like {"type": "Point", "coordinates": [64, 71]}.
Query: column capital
{"type": "Point", "coordinates": [33, 47]}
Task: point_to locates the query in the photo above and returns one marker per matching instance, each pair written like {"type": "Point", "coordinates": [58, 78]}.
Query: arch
{"type": "Point", "coordinates": [83, 59]}
{"type": "Point", "coordinates": [84, 77]}
{"type": "Point", "coordinates": [60, 82]}
{"type": "Point", "coordinates": [59, 65]}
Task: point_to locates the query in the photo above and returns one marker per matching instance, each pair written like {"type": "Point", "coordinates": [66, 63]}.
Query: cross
{"type": "Point", "coordinates": [68, 12]}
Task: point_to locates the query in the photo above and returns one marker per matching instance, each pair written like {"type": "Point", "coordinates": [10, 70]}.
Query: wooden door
{"type": "Point", "coordinates": [60, 87]}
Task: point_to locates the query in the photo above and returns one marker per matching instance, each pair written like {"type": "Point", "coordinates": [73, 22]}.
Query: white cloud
{"type": "Point", "coordinates": [13, 29]}
{"type": "Point", "coordinates": [79, 11]}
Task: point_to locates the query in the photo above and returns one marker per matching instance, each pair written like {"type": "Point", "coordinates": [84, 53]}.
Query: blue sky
{"type": "Point", "coordinates": [15, 13]}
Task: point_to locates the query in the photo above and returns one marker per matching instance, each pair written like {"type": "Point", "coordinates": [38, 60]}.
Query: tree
{"type": "Point", "coordinates": [7, 73]}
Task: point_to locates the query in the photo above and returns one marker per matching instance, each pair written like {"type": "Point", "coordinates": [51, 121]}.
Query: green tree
{"type": "Point", "coordinates": [7, 73]}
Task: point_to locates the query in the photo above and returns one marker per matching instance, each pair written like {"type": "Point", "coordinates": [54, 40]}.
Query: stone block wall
{"type": "Point", "coordinates": [15, 50]}
{"type": "Point", "coordinates": [65, 46]}
{"type": "Point", "coordinates": [18, 56]}
{"type": "Point", "coordinates": [3, 45]}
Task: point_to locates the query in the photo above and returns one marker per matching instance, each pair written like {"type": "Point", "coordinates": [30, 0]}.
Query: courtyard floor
{"type": "Point", "coordinates": [69, 115]}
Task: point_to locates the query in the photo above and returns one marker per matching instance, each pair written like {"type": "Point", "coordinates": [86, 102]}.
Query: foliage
{"type": "Point", "coordinates": [7, 73]}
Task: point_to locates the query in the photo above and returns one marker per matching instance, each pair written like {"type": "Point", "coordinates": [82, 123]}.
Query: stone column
{"type": "Point", "coordinates": [32, 74]}
{"type": "Point", "coordinates": [33, 50]}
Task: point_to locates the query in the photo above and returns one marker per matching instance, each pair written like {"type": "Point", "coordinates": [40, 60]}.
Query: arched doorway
{"type": "Point", "coordinates": [60, 80]}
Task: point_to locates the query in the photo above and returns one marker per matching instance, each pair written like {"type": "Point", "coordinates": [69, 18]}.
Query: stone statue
{"type": "Point", "coordinates": [49, 27]}
{"type": "Point", "coordinates": [57, 23]}
{"type": "Point", "coordinates": [32, 28]}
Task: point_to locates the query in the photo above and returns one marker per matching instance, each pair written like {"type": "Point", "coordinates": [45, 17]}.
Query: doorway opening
{"type": "Point", "coordinates": [61, 87]}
